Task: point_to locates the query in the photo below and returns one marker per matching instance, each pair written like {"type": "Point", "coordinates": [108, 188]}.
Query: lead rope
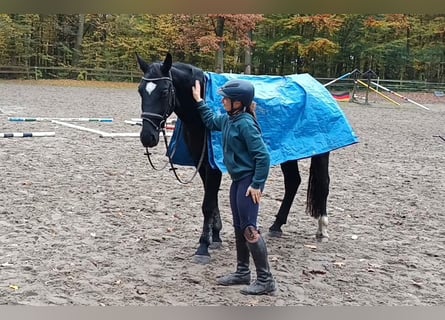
{"type": "Point", "coordinates": [170, 158]}
{"type": "Point", "coordinates": [201, 159]}
{"type": "Point", "coordinates": [148, 153]}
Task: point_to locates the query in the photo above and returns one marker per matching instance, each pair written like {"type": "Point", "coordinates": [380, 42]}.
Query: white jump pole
{"type": "Point", "coordinates": [69, 125]}
{"type": "Point", "coordinates": [27, 134]}
{"type": "Point", "coordinates": [102, 134]}
{"type": "Point", "coordinates": [120, 134]}
{"type": "Point", "coordinates": [33, 119]}
{"type": "Point", "coordinates": [399, 95]}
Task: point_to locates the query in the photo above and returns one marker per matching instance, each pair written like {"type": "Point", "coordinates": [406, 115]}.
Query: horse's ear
{"type": "Point", "coordinates": [167, 64]}
{"type": "Point", "coordinates": [142, 64]}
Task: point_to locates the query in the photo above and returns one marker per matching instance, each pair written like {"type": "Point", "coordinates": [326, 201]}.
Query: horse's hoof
{"type": "Point", "coordinates": [275, 234]}
{"type": "Point", "coordinates": [275, 230]}
{"type": "Point", "coordinates": [199, 259]}
{"type": "Point", "coordinates": [322, 232]}
{"type": "Point", "coordinates": [216, 238]}
{"type": "Point", "coordinates": [322, 237]}
{"type": "Point", "coordinates": [215, 245]}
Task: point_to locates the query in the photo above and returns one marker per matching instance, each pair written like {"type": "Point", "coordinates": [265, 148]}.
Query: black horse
{"type": "Point", "coordinates": [166, 87]}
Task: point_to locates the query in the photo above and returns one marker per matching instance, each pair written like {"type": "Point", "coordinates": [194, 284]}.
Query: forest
{"type": "Point", "coordinates": [394, 46]}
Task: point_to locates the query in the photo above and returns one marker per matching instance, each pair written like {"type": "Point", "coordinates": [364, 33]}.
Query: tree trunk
{"type": "Point", "coordinates": [79, 38]}
{"type": "Point", "coordinates": [248, 56]}
{"type": "Point", "coordinates": [219, 66]}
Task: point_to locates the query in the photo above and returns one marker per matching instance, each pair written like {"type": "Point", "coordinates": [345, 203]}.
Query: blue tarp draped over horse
{"type": "Point", "coordinates": [297, 114]}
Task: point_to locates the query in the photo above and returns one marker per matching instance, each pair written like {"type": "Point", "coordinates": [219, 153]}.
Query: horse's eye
{"type": "Point", "coordinates": [164, 93]}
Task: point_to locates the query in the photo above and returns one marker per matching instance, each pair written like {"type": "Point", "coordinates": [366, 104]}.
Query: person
{"type": "Point", "coordinates": [247, 161]}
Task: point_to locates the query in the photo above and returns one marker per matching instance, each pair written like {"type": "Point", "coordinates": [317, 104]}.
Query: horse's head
{"type": "Point", "coordinates": [158, 98]}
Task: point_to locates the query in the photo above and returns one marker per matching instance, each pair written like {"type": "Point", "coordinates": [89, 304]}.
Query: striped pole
{"type": "Point", "coordinates": [29, 119]}
{"type": "Point", "coordinates": [27, 134]}
{"type": "Point", "coordinates": [379, 93]}
{"type": "Point", "coordinates": [169, 121]}
{"type": "Point", "coordinates": [399, 95]}
{"type": "Point", "coordinates": [134, 123]}
{"type": "Point", "coordinates": [339, 78]}
{"type": "Point", "coordinates": [138, 122]}
{"type": "Point", "coordinates": [127, 134]}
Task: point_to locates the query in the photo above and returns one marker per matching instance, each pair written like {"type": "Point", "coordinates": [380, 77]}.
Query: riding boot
{"type": "Point", "coordinates": [242, 273]}
{"type": "Point", "coordinates": [265, 282]}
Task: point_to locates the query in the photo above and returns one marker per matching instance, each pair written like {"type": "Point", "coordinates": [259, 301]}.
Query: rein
{"type": "Point", "coordinates": [148, 115]}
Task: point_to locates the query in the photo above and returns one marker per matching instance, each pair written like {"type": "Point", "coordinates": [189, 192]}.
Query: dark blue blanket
{"type": "Point", "coordinates": [297, 114]}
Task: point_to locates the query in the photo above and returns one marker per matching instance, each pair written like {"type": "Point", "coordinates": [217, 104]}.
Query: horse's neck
{"type": "Point", "coordinates": [187, 112]}
{"type": "Point", "coordinates": [185, 103]}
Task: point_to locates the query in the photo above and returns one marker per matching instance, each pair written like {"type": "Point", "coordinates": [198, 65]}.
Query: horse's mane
{"type": "Point", "coordinates": [188, 72]}
{"type": "Point", "coordinates": [184, 76]}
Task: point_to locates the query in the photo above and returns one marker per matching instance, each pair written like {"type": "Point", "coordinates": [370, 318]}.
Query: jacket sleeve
{"type": "Point", "coordinates": [211, 120]}
{"type": "Point", "coordinates": [259, 153]}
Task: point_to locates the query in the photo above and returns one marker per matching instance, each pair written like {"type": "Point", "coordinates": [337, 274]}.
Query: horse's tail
{"type": "Point", "coordinates": [318, 186]}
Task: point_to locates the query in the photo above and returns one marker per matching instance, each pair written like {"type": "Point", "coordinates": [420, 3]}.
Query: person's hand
{"type": "Point", "coordinates": [254, 193]}
{"type": "Point", "coordinates": [196, 91]}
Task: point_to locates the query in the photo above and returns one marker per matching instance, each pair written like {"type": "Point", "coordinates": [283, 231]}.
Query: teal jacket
{"type": "Point", "coordinates": [243, 147]}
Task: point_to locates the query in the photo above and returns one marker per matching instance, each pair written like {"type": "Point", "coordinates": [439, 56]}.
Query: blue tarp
{"type": "Point", "coordinates": [297, 114]}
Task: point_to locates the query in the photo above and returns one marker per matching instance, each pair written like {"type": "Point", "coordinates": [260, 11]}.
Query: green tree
{"type": "Point", "coordinates": [396, 46]}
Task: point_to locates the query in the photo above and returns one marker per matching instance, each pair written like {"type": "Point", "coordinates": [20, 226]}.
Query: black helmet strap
{"type": "Point", "coordinates": [233, 112]}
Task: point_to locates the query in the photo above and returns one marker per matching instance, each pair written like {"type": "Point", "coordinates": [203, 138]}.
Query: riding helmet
{"type": "Point", "coordinates": [238, 90]}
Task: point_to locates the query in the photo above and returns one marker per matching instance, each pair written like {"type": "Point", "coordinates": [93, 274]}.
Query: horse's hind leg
{"type": "Point", "coordinates": [292, 180]}
{"type": "Point", "coordinates": [212, 221]}
{"type": "Point", "coordinates": [318, 191]}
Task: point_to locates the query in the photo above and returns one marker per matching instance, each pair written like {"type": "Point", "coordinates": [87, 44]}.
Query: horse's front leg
{"type": "Point", "coordinates": [210, 235]}
{"type": "Point", "coordinates": [210, 204]}
{"type": "Point", "coordinates": [292, 180]}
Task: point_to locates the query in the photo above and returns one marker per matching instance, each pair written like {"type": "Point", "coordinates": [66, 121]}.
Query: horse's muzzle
{"type": "Point", "coordinates": [149, 139]}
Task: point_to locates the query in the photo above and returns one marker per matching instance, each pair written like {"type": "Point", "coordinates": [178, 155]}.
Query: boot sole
{"type": "Point", "coordinates": [232, 284]}
{"type": "Point", "coordinates": [264, 293]}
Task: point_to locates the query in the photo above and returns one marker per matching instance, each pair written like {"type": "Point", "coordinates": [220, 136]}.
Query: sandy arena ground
{"type": "Point", "coordinates": [84, 220]}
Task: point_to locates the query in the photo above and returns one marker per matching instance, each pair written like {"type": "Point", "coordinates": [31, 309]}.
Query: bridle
{"type": "Point", "coordinates": [168, 111]}
{"type": "Point", "coordinates": [149, 116]}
